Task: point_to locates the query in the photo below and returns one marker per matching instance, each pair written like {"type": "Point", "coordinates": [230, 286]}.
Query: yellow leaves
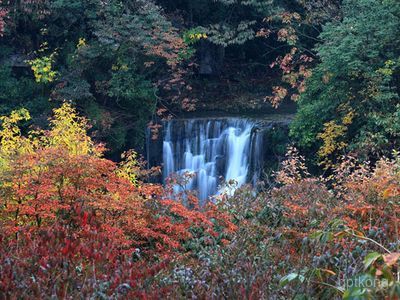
{"type": "Point", "coordinates": [391, 191]}
{"type": "Point", "coordinates": [332, 137]}
{"type": "Point", "coordinates": [387, 193]}
{"type": "Point", "coordinates": [129, 167]}
{"type": "Point", "coordinates": [121, 67]}
{"type": "Point", "coordinates": [194, 35]}
{"type": "Point", "coordinates": [68, 130]}
{"type": "Point", "coordinates": [11, 141]}
{"type": "Point", "coordinates": [198, 36]}
{"type": "Point", "coordinates": [16, 116]}
{"type": "Point", "coordinates": [42, 68]}
{"type": "Point", "coordinates": [81, 43]}
{"type": "Point", "coordinates": [348, 119]}
{"type": "Point", "coordinates": [388, 68]}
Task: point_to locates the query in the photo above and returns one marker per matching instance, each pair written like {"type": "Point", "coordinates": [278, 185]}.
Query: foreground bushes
{"type": "Point", "coordinates": [307, 237]}
{"type": "Point", "coordinates": [75, 225]}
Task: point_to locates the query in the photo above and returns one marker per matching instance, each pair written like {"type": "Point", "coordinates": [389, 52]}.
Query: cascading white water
{"type": "Point", "coordinates": [210, 149]}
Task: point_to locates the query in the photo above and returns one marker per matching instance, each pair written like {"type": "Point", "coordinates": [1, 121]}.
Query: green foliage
{"type": "Point", "coordinates": [225, 35]}
{"type": "Point", "coordinates": [131, 91]}
{"type": "Point", "coordinates": [17, 87]}
{"type": "Point", "coordinates": [110, 60]}
{"type": "Point", "coordinates": [225, 23]}
{"type": "Point", "coordinates": [358, 73]}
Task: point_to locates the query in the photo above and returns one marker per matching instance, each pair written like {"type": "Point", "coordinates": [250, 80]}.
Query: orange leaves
{"type": "Point", "coordinates": [351, 223]}
{"type": "Point", "coordinates": [391, 258]}
{"type": "Point", "coordinates": [176, 222]}
{"type": "Point", "coordinates": [295, 68]}
{"type": "Point", "coordinates": [66, 215]}
{"type": "Point", "coordinates": [391, 191]}
{"type": "Point", "coordinates": [357, 208]}
{"type": "Point", "coordinates": [278, 94]}
{"type": "Point", "coordinates": [51, 186]}
{"type": "Point", "coordinates": [263, 32]}
{"type": "Point", "coordinates": [151, 190]}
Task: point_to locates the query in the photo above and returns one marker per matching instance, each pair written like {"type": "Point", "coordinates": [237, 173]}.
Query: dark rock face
{"type": "Point", "coordinates": [275, 141]}
{"type": "Point", "coordinates": [211, 58]}
{"type": "Point", "coordinates": [154, 152]}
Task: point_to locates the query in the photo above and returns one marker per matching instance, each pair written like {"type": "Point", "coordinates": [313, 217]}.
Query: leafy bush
{"type": "Point", "coordinates": [75, 224]}
{"type": "Point", "coordinates": [306, 237]}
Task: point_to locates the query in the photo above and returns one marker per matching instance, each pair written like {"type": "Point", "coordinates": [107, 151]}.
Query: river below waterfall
{"type": "Point", "coordinates": [212, 151]}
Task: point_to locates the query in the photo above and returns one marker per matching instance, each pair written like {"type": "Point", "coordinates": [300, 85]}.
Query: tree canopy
{"type": "Point", "coordinates": [355, 87]}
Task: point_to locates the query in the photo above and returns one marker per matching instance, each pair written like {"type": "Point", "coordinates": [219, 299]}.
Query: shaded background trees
{"type": "Point", "coordinates": [356, 80]}
{"type": "Point", "coordinates": [108, 59]}
{"type": "Point", "coordinates": [126, 63]}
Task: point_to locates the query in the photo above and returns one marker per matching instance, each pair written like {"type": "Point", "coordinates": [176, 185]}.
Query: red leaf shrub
{"type": "Point", "coordinates": [71, 227]}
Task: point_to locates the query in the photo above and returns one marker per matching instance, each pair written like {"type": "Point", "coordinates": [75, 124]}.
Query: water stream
{"type": "Point", "coordinates": [213, 151]}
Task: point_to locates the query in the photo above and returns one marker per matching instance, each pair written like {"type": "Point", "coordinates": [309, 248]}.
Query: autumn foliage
{"type": "Point", "coordinates": [332, 226]}
{"type": "Point", "coordinates": [312, 237]}
{"type": "Point", "coordinates": [72, 224]}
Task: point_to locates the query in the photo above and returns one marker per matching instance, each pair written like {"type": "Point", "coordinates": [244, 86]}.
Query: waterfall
{"type": "Point", "coordinates": [213, 151]}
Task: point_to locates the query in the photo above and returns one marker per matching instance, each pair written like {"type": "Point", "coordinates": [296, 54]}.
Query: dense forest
{"type": "Point", "coordinates": [90, 89]}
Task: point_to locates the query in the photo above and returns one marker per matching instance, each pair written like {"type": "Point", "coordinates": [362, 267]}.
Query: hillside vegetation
{"type": "Point", "coordinates": [80, 214]}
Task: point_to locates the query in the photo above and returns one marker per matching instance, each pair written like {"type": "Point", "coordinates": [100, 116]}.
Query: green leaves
{"type": "Point", "coordinates": [322, 236]}
{"type": "Point", "coordinates": [290, 278]}
{"type": "Point", "coordinates": [362, 79]}
{"type": "Point", "coordinates": [370, 259]}
{"type": "Point", "coordinates": [356, 293]}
